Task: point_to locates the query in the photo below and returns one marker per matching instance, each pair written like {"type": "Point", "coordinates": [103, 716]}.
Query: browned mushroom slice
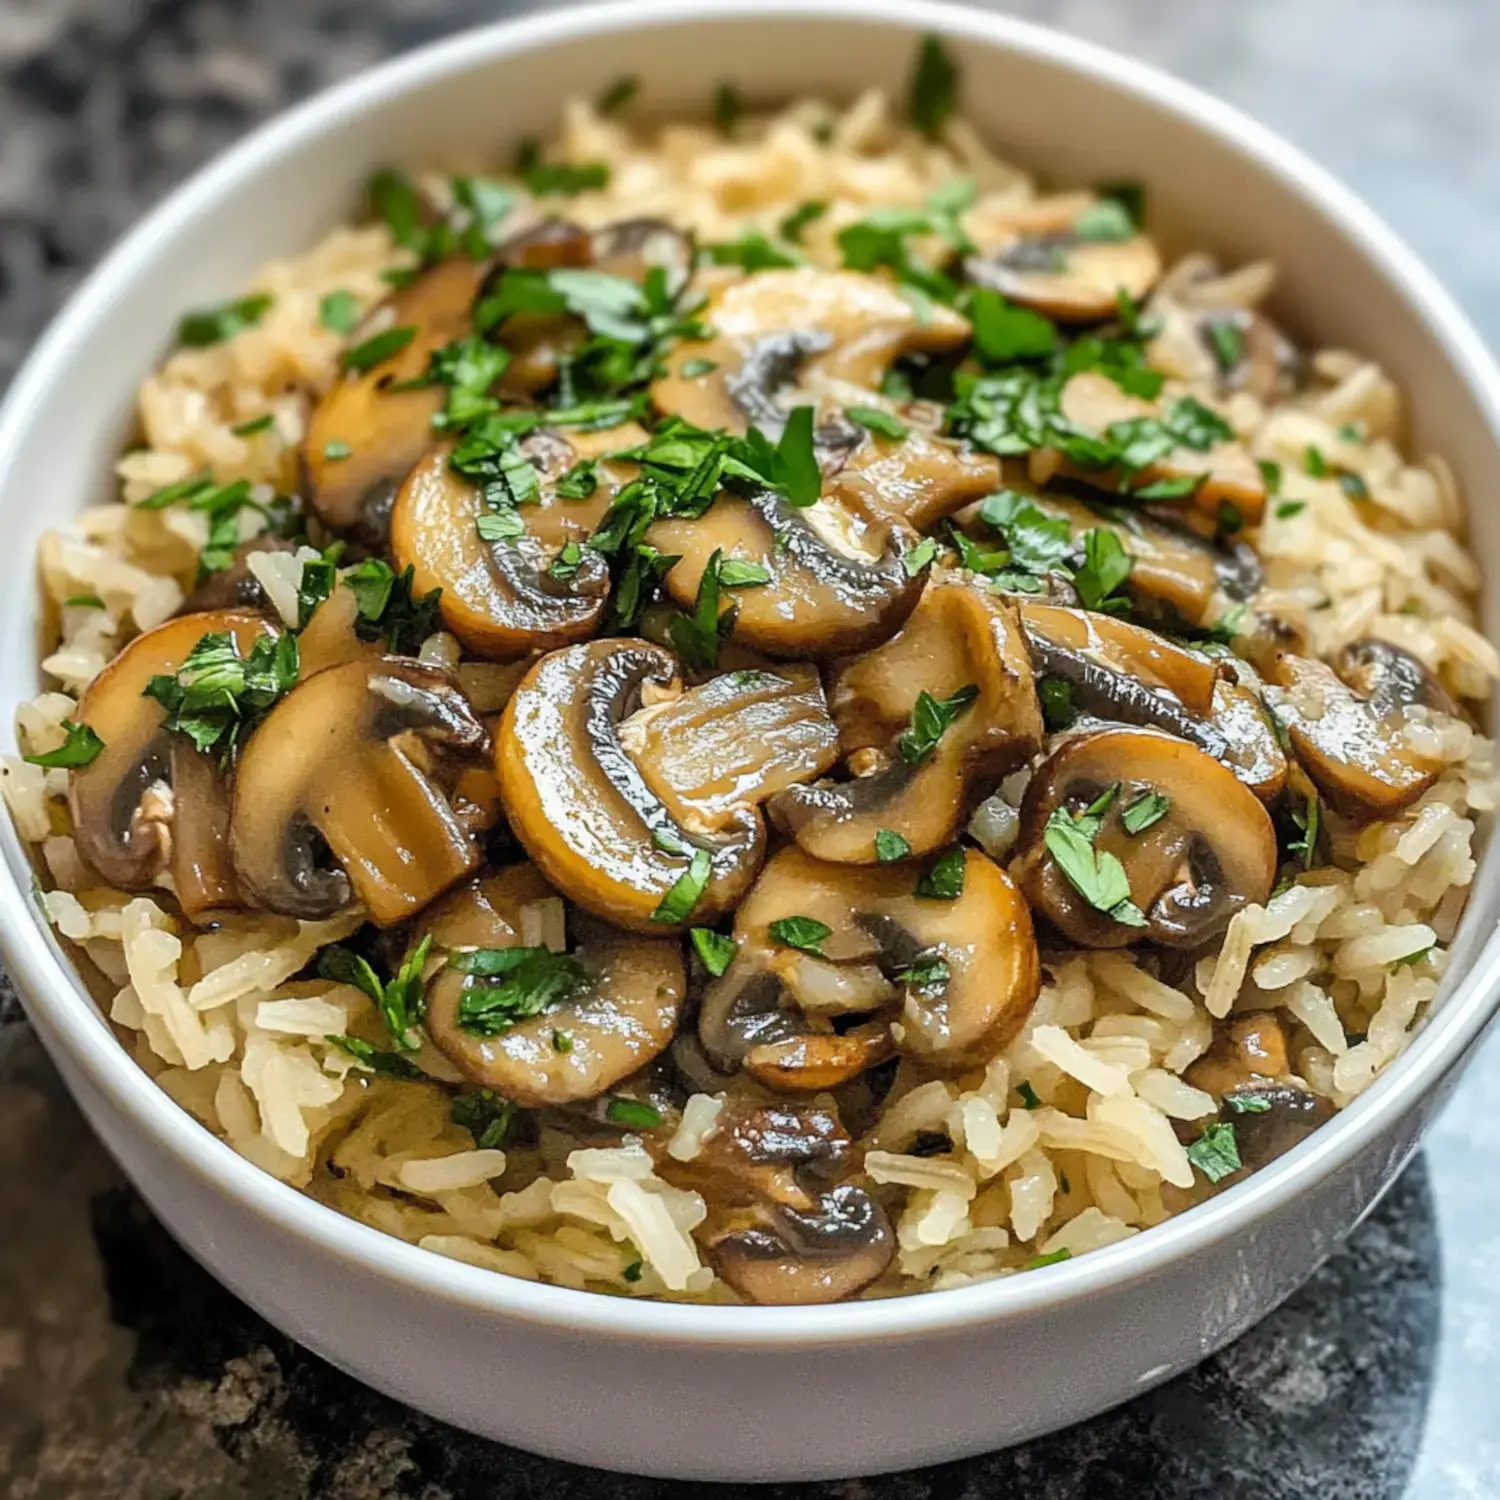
{"type": "Point", "coordinates": [151, 802]}
{"type": "Point", "coordinates": [1354, 748]}
{"type": "Point", "coordinates": [364, 436]}
{"type": "Point", "coordinates": [335, 771]}
{"type": "Point", "coordinates": [1202, 847]}
{"type": "Point", "coordinates": [1242, 721]}
{"type": "Point", "coordinates": [611, 1006]}
{"type": "Point", "coordinates": [958, 977]}
{"type": "Point", "coordinates": [741, 737]}
{"type": "Point", "coordinates": [960, 643]}
{"type": "Point", "coordinates": [1093, 403]}
{"type": "Point", "coordinates": [1233, 348]}
{"type": "Point", "coordinates": [1246, 1048]}
{"type": "Point", "coordinates": [1067, 258]}
{"type": "Point", "coordinates": [838, 577]}
{"type": "Point", "coordinates": [1103, 657]}
{"type": "Point", "coordinates": [330, 639]}
{"type": "Point", "coordinates": [783, 1228]}
{"type": "Point", "coordinates": [505, 598]}
{"type": "Point", "coordinates": [1171, 563]}
{"type": "Point", "coordinates": [577, 800]}
{"type": "Point", "coordinates": [773, 327]}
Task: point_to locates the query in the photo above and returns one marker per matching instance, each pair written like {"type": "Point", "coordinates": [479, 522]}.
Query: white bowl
{"type": "Point", "coordinates": [744, 1393]}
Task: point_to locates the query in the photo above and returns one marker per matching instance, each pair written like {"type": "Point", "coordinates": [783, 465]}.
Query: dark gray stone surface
{"type": "Point", "coordinates": [127, 1373]}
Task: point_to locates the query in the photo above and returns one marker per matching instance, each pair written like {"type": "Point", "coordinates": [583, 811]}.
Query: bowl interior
{"type": "Point", "coordinates": [1065, 110]}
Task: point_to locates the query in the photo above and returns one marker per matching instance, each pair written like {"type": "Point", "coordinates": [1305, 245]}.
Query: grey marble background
{"type": "Point", "coordinates": [126, 1373]}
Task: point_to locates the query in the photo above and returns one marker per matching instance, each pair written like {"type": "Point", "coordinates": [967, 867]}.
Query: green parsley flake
{"type": "Point", "coordinates": [930, 719]}
{"type": "Point", "coordinates": [943, 879]}
{"type": "Point", "coordinates": [382, 1063]}
{"type": "Point", "coordinates": [1029, 1099]}
{"type": "Point", "coordinates": [1053, 1258]}
{"type": "Point", "coordinates": [714, 949]}
{"type": "Point", "coordinates": [742, 573]}
{"type": "Point", "coordinates": [928, 970]}
{"type": "Point", "coordinates": [377, 350]}
{"type": "Point", "coordinates": [882, 423]}
{"type": "Point", "coordinates": [1058, 710]}
{"type": "Point", "coordinates": [923, 555]}
{"type": "Point", "coordinates": [1106, 567]}
{"type": "Point", "coordinates": [338, 312]}
{"type": "Point", "coordinates": [728, 109]}
{"type": "Point", "coordinates": [485, 1115]}
{"type": "Point", "coordinates": [510, 985]}
{"type": "Point", "coordinates": [1314, 462]}
{"type": "Point", "coordinates": [1147, 809]}
{"type": "Point", "coordinates": [617, 95]}
{"type": "Point", "coordinates": [1286, 509]}
{"type": "Point", "coordinates": [1097, 876]}
{"type": "Point", "coordinates": [1227, 343]}
{"type": "Point", "coordinates": [1215, 1153]}
{"type": "Point", "coordinates": [336, 450]}
{"type": "Point", "coordinates": [1247, 1104]}
{"type": "Point", "coordinates": [255, 425]}
{"type": "Point", "coordinates": [752, 252]}
{"type": "Point", "coordinates": [677, 905]}
{"type": "Point", "coordinates": [890, 846]}
{"type": "Point", "coordinates": [214, 325]}
{"type": "Point", "coordinates": [83, 601]}
{"type": "Point", "coordinates": [1104, 222]}
{"type": "Point", "coordinates": [692, 369]}
{"type": "Point", "coordinates": [80, 747]}
{"type": "Point", "coordinates": [400, 1001]}
{"type": "Point", "coordinates": [633, 1114]}
{"type": "Point", "coordinates": [806, 933]}
{"type": "Point", "coordinates": [1411, 960]}
{"type": "Point", "coordinates": [1005, 333]}
{"type": "Point", "coordinates": [565, 180]}
{"type": "Point", "coordinates": [934, 88]}
{"type": "Point", "coordinates": [800, 217]}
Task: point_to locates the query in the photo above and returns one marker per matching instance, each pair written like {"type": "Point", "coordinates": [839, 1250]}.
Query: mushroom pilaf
{"type": "Point", "coordinates": [760, 712]}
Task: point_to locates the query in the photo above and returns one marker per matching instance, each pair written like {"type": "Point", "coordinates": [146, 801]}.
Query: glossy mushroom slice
{"type": "Point", "coordinates": [783, 1226]}
{"type": "Point", "coordinates": [1223, 467]}
{"type": "Point", "coordinates": [957, 977]}
{"type": "Point", "coordinates": [1172, 565]}
{"type": "Point", "coordinates": [1068, 257]}
{"type": "Point", "coordinates": [961, 647]}
{"type": "Point", "coordinates": [151, 802]}
{"type": "Point", "coordinates": [334, 800]}
{"type": "Point", "coordinates": [743, 736]}
{"type": "Point", "coordinates": [579, 803]}
{"type": "Point", "coordinates": [364, 436]}
{"type": "Point", "coordinates": [605, 1010]}
{"type": "Point", "coordinates": [1127, 834]}
{"type": "Point", "coordinates": [776, 327]}
{"type": "Point", "coordinates": [1121, 672]}
{"type": "Point", "coordinates": [507, 597]}
{"type": "Point", "coordinates": [1358, 744]}
{"type": "Point", "coordinates": [839, 577]}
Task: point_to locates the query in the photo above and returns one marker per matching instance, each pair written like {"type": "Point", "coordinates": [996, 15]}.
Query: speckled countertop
{"type": "Point", "coordinates": [127, 1373]}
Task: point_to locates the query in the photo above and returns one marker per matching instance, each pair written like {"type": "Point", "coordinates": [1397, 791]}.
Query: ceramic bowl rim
{"type": "Point", "coordinates": [69, 1017]}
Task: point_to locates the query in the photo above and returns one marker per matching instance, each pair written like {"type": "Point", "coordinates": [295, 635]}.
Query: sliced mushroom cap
{"type": "Point", "coordinates": [385, 431]}
{"type": "Point", "coordinates": [1391, 679]}
{"type": "Point", "coordinates": [839, 581]}
{"type": "Point", "coordinates": [336, 769]}
{"type": "Point", "coordinates": [782, 1227]}
{"type": "Point", "coordinates": [1246, 1049]}
{"type": "Point", "coordinates": [575, 797]}
{"type": "Point", "coordinates": [974, 985]}
{"type": "Point", "coordinates": [957, 639]}
{"type": "Point", "coordinates": [1093, 403]}
{"type": "Point", "coordinates": [776, 326]}
{"type": "Point", "coordinates": [330, 639]}
{"type": "Point", "coordinates": [620, 1014]}
{"type": "Point", "coordinates": [1044, 257]}
{"type": "Point", "coordinates": [1210, 853]}
{"type": "Point", "coordinates": [150, 801]}
{"type": "Point", "coordinates": [1357, 755]}
{"type": "Point", "coordinates": [1122, 672]}
{"type": "Point", "coordinates": [1235, 348]}
{"type": "Point", "coordinates": [501, 598]}
{"type": "Point", "coordinates": [1172, 565]}
{"type": "Point", "coordinates": [737, 738]}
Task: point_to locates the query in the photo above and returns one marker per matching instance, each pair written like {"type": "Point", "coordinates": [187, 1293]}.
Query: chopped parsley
{"type": "Point", "coordinates": [1097, 875]}
{"type": "Point", "coordinates": [1053, 1258]}
{"type": "Point", "coordinates": [743, 573]}
{"type": "Point", "coordinates": [1004, 332]}
{"type": "Point", "coordinates": [509, 985]}
{"type": "Point", "coordinates": [216, 697]}
{"type": "Point", "coordinates": [1353, 486]}
{"type": "Point", "coordinates": [691, 369]}
{"type": "Point", "coordinates": [923, 555]}
{"type": "Point", "coordinates": [928, 970]}
{"type": "Point", "coordinates": [791, 467]}
{"type": "Point", "coordinates": [1411, 960]}
{"type": "Point", "coordinates": [800, 217]}
{"type": "Point", "coordinates": [934, 88]}
{"type": "Point", "coordinates": [632, 1272]}
{"type": "Point", "coordinates": [336, 450]}
{"type": "Point", "coordinates": [1058, 711]}
{"type": "Point", "coordinates": [562, 1041]}
{"type": "Point", "coordinates": [714, 949]}
{"type": "Point", "coordinates": [1215, 1153]}
{"type": "Point", "coordinates": [377, 349]}
{"type": "Point", "coordinates": [696, 637]}
{"type": "Point", "coordinates": [877, 421]}
{"type": "Point", "coordinates": [564, 179]}
{"type": "Point", "coordinates": [1144, 811]}
{"type": "Point", "coordinates": [83, 601]}
{"type": "Point", "coordinates": [214, 325]}
{"type": "Point", "coordinates": [1029, 1099]}
{"type": "Point", "coordinates": [1037, 542]}
{"type": "Point", "coordinates": [468, 367]}
{"type": "Point", "coordinates": [400, 1001]}
{"type": "Point", "coordinates": [338, 312]}
{"type": "Point", "coordinates": [633, 1114]}
{"type": "Point", "coordinates": [729, 109]}
{"type": "Point", "coordinates": [1226, 342]}
{"type": "Point", "coordinates": [256, 424]}
{"type": "Point", "coordinates": [752, 251]}
{"type": "Point", "coordinates": [81, 747]}
{"type": "Point", "coordinates": [1106, 221]}
{"type": "Point", "coordinates": [1314, 462]}
{"type": "Point", "coordinates": [1106, 567]}
{"type": "Point", "coordinates": [617, 95]}
{"type": "Point", "coordinates": [580, 482]}
{"type": "Point", "coordinates": [1309, 821]}
{"type": "Point", "coordinates": [1286, 509]}
{"type": "Point", "coordinates": [1246, 1104]}
{"type": "Point", "coordinates": [890, 846]}
{"type": "Point", "coordinates": [805, 933]}
{"type": "Point", "coordinates": [943, 879]}
{"type": "Point", "coordinates": [488, 203]}
{"type": "Point", "coordinates": [386, 606]}
{"type": "Point", "coordinates": [485, 1115]}
{"type": "Point", "coordinates": [930, 720]}
{"type": "Point", "coordinates": [566, 564]}
{"type": "Point", "coordinates": [378, 1060]}
{"type": "Point", "coordinates": [677, 905]}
